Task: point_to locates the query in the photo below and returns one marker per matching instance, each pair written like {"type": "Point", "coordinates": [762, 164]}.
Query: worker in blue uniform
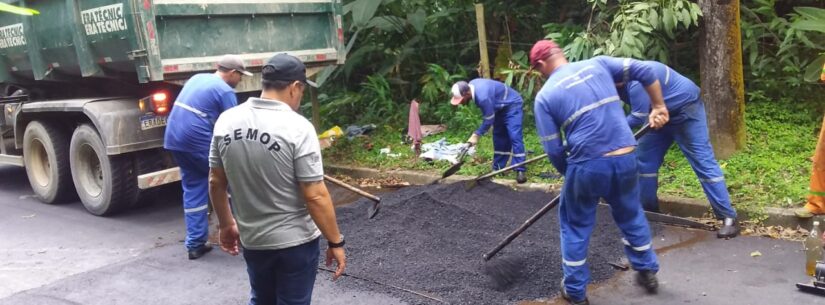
{"type": "Point", "coordinates": [582, 127]}
{"type": "Point", "coordinates": [501, 107]}
{"type": "Point", "coordinates": [188, 136]}
{"type": "Point", "coordinates": [688, 127]}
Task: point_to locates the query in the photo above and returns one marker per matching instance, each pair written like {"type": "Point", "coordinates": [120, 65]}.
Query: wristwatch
{"type": "Point", "coordinates": [338, 244]}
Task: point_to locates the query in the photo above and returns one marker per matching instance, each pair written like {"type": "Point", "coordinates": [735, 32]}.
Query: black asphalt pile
{"type": "Point", "coordinates": [430, 239]}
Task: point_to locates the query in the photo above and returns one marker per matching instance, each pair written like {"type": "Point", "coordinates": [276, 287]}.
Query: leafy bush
{"type": "Point", "coordinates": [780, 52]}
{"type": "Point", "coordinates": [639, 29]}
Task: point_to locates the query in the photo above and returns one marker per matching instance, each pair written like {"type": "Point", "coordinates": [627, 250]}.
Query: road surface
{"type": "Point", "coordinates": [59, 254]}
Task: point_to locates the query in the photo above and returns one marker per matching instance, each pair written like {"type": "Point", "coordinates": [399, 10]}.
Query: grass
{"type": "Point", "coordinates": [772, 171]}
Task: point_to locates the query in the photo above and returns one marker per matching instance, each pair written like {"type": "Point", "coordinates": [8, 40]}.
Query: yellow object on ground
{"type": "Point", "coordinates": [332, 132]}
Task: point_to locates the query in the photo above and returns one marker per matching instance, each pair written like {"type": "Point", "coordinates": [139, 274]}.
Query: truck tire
{"type": "Point", "coordinates": [105, 184]}
{"type": "Point", "coordinates": [46, 157]}
{"type": "Point", "coordinates": [149, 161]}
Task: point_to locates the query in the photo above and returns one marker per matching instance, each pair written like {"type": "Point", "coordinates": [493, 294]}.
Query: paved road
{"type": "Point", "coordinates": [59, 254]}
{"type": "Point", "coordinates": [701, 269]}
{"type": "Point", "coordinates": [698, 268]}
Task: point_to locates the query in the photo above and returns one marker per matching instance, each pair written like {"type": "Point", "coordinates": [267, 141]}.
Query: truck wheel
{"type": "Point", "coordinates": [147, 162]}
{"type": "Point", "coordinates": [46, 157]}
{"type": "Point", "coordinates": [105, 184]}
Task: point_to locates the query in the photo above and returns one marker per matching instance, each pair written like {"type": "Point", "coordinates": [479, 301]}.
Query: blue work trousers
{"type": "Point", "coordinates": [507, 137]}
{"type": "Point", "coordinates": [689, 128]}
{"type": "Point", "coordinates": [194, 176]}
{"type": "Point", "coordinates": [616, 180]}
{"type": "Point", "coordinates": [284, 276]}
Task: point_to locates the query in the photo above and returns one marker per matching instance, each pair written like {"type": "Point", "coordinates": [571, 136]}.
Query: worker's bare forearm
{"type": "Point", "coordinates": [320, 207]}
{"type": "Point", "coordinates": [654, 90]}
{"type": "Point", "coordinates": [218, 193]}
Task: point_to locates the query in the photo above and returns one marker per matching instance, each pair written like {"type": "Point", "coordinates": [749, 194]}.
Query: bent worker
{"type": "Point", "coordinates": [688, 127]}
{"type": "Point", "coordinates": [501, 108]}
{"type": "Point", "coordinates": [270, 156]}
{"type": "Point", "coordinates": [188, 134]}
{"type": "Point", "coordinates": [582, 127]}
{"type": "Point", "coordinates": [815, 204]}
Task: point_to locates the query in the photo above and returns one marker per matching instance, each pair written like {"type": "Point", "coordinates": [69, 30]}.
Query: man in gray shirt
{"type": "Point", "coordinates": [270, 156]}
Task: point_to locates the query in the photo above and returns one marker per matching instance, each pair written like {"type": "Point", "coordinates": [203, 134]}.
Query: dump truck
{"type": "Point", "coordinates": [86, 85]}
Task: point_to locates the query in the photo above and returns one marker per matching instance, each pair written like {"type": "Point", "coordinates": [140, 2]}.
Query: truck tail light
{"type": "Point", "coordinates": [160, 103]}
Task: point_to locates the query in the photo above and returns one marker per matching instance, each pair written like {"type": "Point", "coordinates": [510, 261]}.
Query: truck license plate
{"type": "Point", "coordinates": [150, 121]}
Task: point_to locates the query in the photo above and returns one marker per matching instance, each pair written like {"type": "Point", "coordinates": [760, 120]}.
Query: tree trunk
{"type": "Point", "coordinates": [720, 63]}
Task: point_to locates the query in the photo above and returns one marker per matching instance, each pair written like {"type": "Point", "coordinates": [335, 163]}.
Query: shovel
{"type": "Point", "coordinates": [472, 183]}
{"type": "Point", "coordinates": [456, 167]}
{"type": "Point", "coordinates": [376, 201]}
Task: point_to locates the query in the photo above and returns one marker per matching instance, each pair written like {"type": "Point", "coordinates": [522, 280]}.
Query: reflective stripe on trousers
{"type": "Point", "coordinates": [508, 144]}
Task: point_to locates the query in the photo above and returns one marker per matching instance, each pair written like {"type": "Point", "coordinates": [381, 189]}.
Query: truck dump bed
{"type": "Point", "coordinates": [162, 40]}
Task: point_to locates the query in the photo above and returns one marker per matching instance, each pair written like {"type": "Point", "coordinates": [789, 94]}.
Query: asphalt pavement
{"type": "Point", "coordinates": [60, 254]}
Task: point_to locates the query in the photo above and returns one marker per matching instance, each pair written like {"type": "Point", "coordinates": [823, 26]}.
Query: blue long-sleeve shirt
{"type": "Point", "coordinates": [579, 104]}
{"type": "Point", "coordinates": [677, 90]}
{"type": "Point", "coordinates": [201, 101]}
{"type": "Point", "coordinates": [491, 96]}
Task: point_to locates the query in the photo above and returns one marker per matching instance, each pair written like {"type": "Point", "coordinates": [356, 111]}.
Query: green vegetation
{"type": "Point", "coordinates": [774, 169]}
{"type": "Point", "coordinates": [772, 172]}
{"type": "Point", "coordinates": [404, 50]}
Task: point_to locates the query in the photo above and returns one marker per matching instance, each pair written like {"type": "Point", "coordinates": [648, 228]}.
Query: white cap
{"type": "Point", "coordinates": [458, 90]}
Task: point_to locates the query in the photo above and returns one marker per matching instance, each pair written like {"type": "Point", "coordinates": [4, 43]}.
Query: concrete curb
{"type": "Point", "coordinates": [677, 206]}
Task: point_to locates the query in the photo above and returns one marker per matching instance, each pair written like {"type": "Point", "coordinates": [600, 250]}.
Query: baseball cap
{"type": "Point", "coordinates": [233, 62]}
{"type": "Point", "coordinates": [458, 90]}
{"type": "Point", "coordinates": [285, 67]}
{"type": "Point", "coordinates": [542, 50]}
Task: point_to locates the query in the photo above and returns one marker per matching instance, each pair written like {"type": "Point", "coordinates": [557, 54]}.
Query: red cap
{"type": "Point", "coordinates": [542, 50]}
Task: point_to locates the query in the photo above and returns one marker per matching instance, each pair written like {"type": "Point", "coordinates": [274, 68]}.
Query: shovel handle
{"type": "Point", "coordinates": [352, 189]}
{"type": "Point", "coordinates": [549, 206]}
{"type": "Point", "coordinates": [488, 175]}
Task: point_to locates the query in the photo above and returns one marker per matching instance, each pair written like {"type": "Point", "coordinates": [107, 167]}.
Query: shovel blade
{"type": "Point", "coordinates": [473, 183]}
{"type": "Point", "coordinates": [469, 185]}
{"type": "Point", "coordinates": [452, 170]}
{"type": "Point", "coordinates": [373, 210]}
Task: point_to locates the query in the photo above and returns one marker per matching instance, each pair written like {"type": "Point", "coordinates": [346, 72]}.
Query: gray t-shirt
{"type": "Point", "coordinates": [266, 149]}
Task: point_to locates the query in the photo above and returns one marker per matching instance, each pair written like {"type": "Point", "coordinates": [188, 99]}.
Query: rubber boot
{"type": "Point", "coordinates": [521, 177]}
{"type": "Point", "coordinates": [199, 251]}
{"type": "Point", "coordinates": [648, 280]}
{"type": "Point", "coordinates": [568, 299]}
{"type": "Point", "coordinates": [729, 229]}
